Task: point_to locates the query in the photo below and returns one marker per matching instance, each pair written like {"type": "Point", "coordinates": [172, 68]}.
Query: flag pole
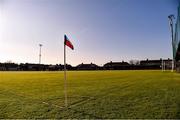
{"type": "Point", "coordinates": [65, 80]}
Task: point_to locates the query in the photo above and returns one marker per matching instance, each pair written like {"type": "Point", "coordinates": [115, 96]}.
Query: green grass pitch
{"type": "Point", "coordinates": [91, 94]}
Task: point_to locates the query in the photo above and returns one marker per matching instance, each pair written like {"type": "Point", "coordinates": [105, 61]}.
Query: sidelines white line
{"type": "Point", "coordinates": [52, 105]}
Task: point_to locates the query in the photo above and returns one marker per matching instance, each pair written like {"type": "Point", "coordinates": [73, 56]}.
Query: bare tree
{"type": "Point", "coordinates": [134, 62]}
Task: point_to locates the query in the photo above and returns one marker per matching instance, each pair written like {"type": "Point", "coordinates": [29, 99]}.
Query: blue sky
{"type": "Point", "coordinates": [100, 30]}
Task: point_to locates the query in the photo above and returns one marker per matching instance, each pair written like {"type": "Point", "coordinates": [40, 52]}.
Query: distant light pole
{"type": "Point", "coordinates": [171, 17]}
{"type": "Point", "coordinates": [40, 45]}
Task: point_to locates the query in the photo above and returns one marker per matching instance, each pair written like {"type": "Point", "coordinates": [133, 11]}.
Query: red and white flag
{"type": "Point", "coordinates": [68, 43]}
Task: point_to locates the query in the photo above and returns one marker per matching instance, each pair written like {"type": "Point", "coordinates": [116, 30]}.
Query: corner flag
{"type": "Point", "coordinates": [68, 43]}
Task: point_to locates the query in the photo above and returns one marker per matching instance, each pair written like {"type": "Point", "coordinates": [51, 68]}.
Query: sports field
{"type": "Point", "coordinates": [91, 94]}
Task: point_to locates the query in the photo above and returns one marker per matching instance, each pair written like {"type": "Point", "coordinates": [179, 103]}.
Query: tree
{"type": "Point", "coordinates": [134, 62]}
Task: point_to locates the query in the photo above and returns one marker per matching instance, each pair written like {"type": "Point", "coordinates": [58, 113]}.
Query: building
{"type": "Point", "coordinates": [87, 67]}
{"type": "Point", "coordinates": [156, 64]}
{"type": "Point", "coordinates": [116, 66]}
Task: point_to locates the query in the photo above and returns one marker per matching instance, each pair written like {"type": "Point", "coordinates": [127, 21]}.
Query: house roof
{"type": "Point", "coordinates": [87, 65]}
{"type": "Point", "coordinates": [116, 64]}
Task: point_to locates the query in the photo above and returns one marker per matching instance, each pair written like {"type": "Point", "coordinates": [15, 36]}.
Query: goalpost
{"type": "Point", "coordinates": [163, 65]}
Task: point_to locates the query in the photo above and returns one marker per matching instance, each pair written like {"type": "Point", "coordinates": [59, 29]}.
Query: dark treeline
{"type": "Point", "coordinates": [131, 65]}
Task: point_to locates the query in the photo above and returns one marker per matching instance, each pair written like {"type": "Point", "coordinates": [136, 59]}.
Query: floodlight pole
{"type": "Point", "coordinates": [171, 17]}
{"type": "Point", "coordinates": [40, 45]}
